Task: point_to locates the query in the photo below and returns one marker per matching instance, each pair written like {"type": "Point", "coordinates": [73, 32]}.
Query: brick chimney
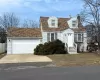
{"type": "Point", "coordinates": [79, 20]}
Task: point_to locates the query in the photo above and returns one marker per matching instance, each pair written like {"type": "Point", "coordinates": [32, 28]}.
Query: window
{"type": "Point", "coordinates": [48, 37]}
{"type": "Point", "coordinates": [69, 34]}
{"type": "Point", "coordinates": [51, 36]}
{"type": "Point", "coordinates": [55, 35]}
{"type": "Point", "coordinates": [78, 37]}
{"type": "Point", "coordinates": [75, 37]}
{"type": "Point", "coordinates": [73, 23]}
{"type": "Point", "coordinates": [53, 22]}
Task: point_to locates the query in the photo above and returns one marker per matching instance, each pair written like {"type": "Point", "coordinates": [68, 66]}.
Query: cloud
{"type": "Point", "coordinates": [52, 5]}
{"type": "Point", "coordinates": [41, 5]}
{"type": "Point", "coordinates": [36, 8]}
{"type": "Point", "coordinates": [9, 2]}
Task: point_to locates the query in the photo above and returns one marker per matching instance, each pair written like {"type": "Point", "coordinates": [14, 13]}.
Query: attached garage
{"type": "Point", "coordinates": [23, 44]}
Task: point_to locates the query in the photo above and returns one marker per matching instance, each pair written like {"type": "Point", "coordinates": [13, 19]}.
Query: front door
{"type": "Point", "coordinates": [70, 39]}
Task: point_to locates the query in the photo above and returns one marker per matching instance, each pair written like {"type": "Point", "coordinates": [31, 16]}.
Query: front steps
{"type": "Point", "coordinates": [72, 50]}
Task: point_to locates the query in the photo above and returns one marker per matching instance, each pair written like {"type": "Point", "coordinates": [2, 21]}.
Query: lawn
{"type": "Point", "coordinates": [75, 59]}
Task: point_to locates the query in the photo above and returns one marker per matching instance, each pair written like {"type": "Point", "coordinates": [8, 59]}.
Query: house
{"type": "Point", "coordinates": [69, 30]}
{"type": "Point", "coordinates": [91, 33]}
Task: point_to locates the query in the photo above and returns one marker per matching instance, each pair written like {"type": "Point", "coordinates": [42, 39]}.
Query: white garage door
{"type": "Point", "coordinates": [26, 46]}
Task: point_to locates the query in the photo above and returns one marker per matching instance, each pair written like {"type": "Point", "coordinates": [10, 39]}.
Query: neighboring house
{"type": "Point", "coordinates": [91, 33]}
{"type": "Point", "coordinates": [69, 30]}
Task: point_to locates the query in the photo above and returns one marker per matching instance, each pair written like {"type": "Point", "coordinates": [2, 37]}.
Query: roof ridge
{"type": "Point", "coordinates": [55, 16]}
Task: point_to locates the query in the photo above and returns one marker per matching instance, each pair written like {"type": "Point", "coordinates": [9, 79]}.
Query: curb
{"type": "Point", "coordinates": [36, 64]}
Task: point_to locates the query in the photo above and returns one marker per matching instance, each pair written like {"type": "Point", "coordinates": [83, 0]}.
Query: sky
{"type": "Point", "coordinates": [33, 9]}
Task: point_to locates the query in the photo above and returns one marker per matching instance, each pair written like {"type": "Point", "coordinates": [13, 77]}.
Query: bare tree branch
{"type": "Point", "coordinates": [9, 20]}
{"type": "Point", "coordinates": [92, 7]}
{"type": "Point", "coordinates": [30, 24]}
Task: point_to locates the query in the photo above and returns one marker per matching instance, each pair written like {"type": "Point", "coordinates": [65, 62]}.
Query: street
{"type": "Point", "coordinates": [50, 73]}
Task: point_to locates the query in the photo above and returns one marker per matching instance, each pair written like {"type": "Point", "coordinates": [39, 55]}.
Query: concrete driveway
{"type": "Point", "coordinates": [24, 58]}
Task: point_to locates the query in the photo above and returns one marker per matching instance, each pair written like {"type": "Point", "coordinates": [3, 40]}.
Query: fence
{"type": "Point", "coordinates": [2, 47]}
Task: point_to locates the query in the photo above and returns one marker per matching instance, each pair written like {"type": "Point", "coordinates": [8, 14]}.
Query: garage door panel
{"type": "Point", "coordinates": [24, 46]}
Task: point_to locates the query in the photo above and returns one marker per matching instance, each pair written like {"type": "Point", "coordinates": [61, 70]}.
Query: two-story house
{"type": "Point", "coordinates": [69, 30]}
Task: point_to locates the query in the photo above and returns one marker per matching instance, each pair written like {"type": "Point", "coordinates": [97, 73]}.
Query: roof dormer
{"type": "Point", "coordinates": [73, 22]}
{"type": "Point", "coordinates": [53, 22]}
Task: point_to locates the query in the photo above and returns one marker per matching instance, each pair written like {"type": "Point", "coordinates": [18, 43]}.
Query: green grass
{"type": "Point", "coordinates": [75, 59]}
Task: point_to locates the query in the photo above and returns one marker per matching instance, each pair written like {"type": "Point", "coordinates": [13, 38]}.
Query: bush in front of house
{"type": "Point", "coordinates": [48, 48]}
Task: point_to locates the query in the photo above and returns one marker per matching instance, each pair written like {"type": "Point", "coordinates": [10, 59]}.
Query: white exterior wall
{"type": "Point", "coordinates": [44, 37]}
{"type": "Point", "coordinates": [70, 22]}
{"type": "Point", "coordinates": [69, 39]}
{"type": "Point", "coordinates": [21, 45]}
{"type": "Point", "coordinates": [59, 36]}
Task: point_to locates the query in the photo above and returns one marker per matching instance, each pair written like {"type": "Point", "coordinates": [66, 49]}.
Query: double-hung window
{"type": "Point", "coordinates": [51, 36]}
{"type": "Point", "coordinates": [74, 23]}
{"type": "Point", "coordinates": [53, 22]}
{"type": "Point", "coordinates": [78, 37]}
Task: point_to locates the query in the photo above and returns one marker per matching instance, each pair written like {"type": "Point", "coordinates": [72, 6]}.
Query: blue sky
{"type": "Point", "coordinates": [33, 9]}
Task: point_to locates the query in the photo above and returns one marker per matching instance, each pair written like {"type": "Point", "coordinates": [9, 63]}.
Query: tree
{"type": "Point", "coordinates": [30, 24]}
{"type": "Point", "coordinates": [9, 20]}
{"type": "Point", "coordinates": [92, 12]}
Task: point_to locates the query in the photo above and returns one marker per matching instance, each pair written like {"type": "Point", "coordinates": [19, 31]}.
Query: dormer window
{"type": "Point", "coordinates": [53, 22]}
{"type": "Point", "coordinates": [74, 23]}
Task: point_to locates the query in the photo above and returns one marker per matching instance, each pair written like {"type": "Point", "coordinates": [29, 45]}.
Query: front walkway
{"type": "Point", "coordinates": [24, 58]}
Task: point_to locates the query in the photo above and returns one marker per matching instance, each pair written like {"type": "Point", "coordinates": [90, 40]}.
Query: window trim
{"type": "Point", "coordinates": [74, 22]}
{"type": "Point", "coordinates": [53, 22]}
{"type": "Point", "coordinates": [55, 36]}
{"type": "Point", "coordinates": [52, 37]}
{"type": "Point", "coordinates": [73, 25]}
{"type": "Point", "coordinates": [77, 37]}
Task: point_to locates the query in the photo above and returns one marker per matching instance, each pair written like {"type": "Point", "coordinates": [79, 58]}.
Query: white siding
{"type": "Point", "coordinates": [67, 38]}
{"type": "Point", "coordinates": [59, 36]}
{"type": "Point", "coordinates": [44, 37]}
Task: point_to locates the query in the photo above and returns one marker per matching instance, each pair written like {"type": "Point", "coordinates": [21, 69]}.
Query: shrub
{"type": "Point", "coordinates": [54, 47]}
